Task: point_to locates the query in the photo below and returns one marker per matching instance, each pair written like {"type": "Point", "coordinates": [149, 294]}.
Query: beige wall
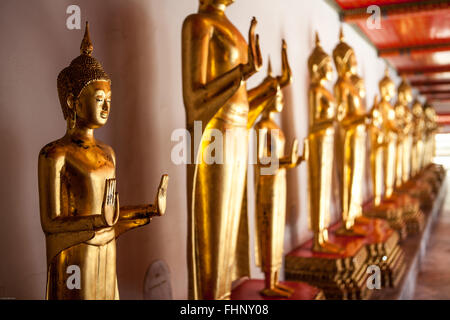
{"type": "Point", "coordinates": [139, 44]}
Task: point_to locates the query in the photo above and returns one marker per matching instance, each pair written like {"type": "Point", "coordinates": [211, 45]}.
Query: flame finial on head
{"type": "Point", "coordinates": [86, 46]}
{"type": "Point", "coordinates": [386, 71]}
{"type": "Point", "coordinates": [317, 39]}
{"type": "Point", "coordinates": [341, 34]}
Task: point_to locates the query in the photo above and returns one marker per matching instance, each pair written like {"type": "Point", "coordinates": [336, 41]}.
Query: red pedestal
{"type": "Point", "coordinates": [350, 244]}
{"type": "Point", "coordinates": [249, 290]}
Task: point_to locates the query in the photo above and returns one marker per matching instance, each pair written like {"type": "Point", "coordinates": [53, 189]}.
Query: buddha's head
{"type": "Point", "coordinates": [344, 57]}
{"type": "Point", "coordinates": [404, 92]}
{"type": "Point", "coordinates": [277, 101]}
{"type": "Point", "coordinates": [319, 63]}
{"type": "Point", "coordinates": [387, 87]}
{"type": "Point", "coordinates": [417, 109]}
{"type": "Point", "coordinates": [84, 89]}
{"type": "Point", "coordinates": [218, 4]}
{"type": "Point", "coordinates": [429, 112]}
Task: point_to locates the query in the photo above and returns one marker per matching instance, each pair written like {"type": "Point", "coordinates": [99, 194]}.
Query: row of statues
{"type": "Point", "coordinates": [79, 205]}
{"type": "Point", "coordinates": [216, 65]}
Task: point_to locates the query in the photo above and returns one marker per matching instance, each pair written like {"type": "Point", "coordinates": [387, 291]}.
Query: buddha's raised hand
{"type": "Point", "coordinates": [161, 196]}
{"type": "Point", "coordinates": [254, 62]}
{"type": "Point", "coordinates": [286, 74]}
{"type": "Point", "coordinates": [110, 207]}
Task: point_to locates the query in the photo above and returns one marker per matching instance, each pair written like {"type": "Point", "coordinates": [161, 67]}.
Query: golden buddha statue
{"type": "Point", "coordinates": [431, 128]}
{"type": "Point", "coordinates": [320, 146]}
{"type": "Point", "coordinates": [405, 122]}
{"type": "Point", "coordinates": [383, 136]}
{"type": "Point", "coordinates": [418, 138]}
{"type": "Point", "coordinates": [377, 142]}
{"type": "Point", "coordinates": [79, 205]}
{"type": "Point", "coordinates": [387, 92]}
{"type": "Point", "coordinates": [216, 64]}
{"type": "Point", "coordinates": [271, 188]}
{"type": "Point", "coordinates": [351, 136]}
{"type": "Point", "coordinates": [434, 174]}
{"type": "Point", "coordinates": [407, 193]}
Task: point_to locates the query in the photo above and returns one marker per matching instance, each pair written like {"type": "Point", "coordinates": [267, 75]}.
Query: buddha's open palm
{"type": "Point", "coordinates": [286, 73]}
{"type": "Point", "coordinates": [161, 196]}
{"type": "Point", "coordinates": [110, 208]}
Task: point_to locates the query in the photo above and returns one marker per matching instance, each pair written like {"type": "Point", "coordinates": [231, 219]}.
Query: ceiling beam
{"type": "Point", "coordinates": [435, 82]}
{"type": "Point", "coordinates": [434, 92]}
{"type": "Point", "coordinates": [427, 48]}
{"type": "Point", "coordinates": [424, 70]}
{"type": "Point", "coordinates": [394, 10]}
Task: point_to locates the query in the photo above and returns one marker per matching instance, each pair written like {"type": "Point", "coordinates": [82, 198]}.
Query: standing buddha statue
{"type": "Point", "coordinates": [320, 146]}
{"type": "Point", "coordinates": [430, 133]}
{"type": "Point", "coordinates": [270, 187]}
{"type": "Point", "coordinates": [377, 142]}
{"type": "Point", "coordinates": [217, 61]}
{"type": "Point", "coordinates": [405, 122]}
{"type": "Point", "coordinates": [418, 138]}
{"type": "Point", "coordinates": [351, 137]}
{"type": "Point", "coordinates": [79, 205]}
{"type": "Point", "coordinates": [383, 131]}
{"type": "Point", "coordinates": [434, 173]}
{"type": "Point", "coordinates": [412, 214]}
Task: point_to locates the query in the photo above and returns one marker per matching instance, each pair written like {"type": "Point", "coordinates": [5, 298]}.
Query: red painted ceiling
{"type": "Point", "coordinates": [414, 36]}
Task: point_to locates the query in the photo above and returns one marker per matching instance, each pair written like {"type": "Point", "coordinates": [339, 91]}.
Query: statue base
{"type": "Point", "coordinates": [411, 213]}
{"type": "Point", "coordinates": [434, 175]}
{"type": "Point", "coordinates": [339, 275]}
{"type": "Point", "coordinates": [390, 212]}
{"type": "Point", "coordinates": [250, 290]}
{"type": "Point", "coordinates": [384, 251]}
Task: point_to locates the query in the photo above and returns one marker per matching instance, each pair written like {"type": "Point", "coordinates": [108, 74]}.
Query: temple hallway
{"type": "Point", "coordinates": [433, 282]}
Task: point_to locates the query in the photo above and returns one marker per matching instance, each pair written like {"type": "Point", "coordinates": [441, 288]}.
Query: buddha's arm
{"type": "Point", "coordinates": [341, 102]}
{"type": "Point", "coordinates": [259, 98]}
{"type": "Point", "coordinates": [203, 98]}
{"type": "Point", "coordinates": [293, 159]}
{"type": "Point", "coordinates": [259, 105]}
{"type": "Point", "coordinates": [49, 171]}
{"type": "Point", "coordinates": [138, 215]}
{"type": "Point", "coordinates": [263, 143]}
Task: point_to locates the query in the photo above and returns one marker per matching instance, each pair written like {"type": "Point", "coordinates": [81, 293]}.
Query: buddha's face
{"type": "Point", "coordinates": [347, 65]}
{"type": "Point", "coordinates": [417, 109]}
{"type": "Point", "coordinates": [405, 95]}
{"type": "Point", "coordinates": [387, 91]}
{"type": "Point", "coordinates": [326, 70]}
{"type": "Point", "coordinates": [323, 71]}
{"type": "Point", "coordinates": [94, 104]}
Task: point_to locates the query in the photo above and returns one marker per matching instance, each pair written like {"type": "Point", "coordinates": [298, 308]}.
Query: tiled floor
{"type": "Point", "coordinates": [434, 278]}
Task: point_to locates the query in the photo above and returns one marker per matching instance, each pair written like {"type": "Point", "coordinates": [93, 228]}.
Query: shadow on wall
{"type": "Point", "coordinates": [133, 135]}
{"type": "Point", "coordinates": [293, 212]}
{"type": "Point", "coordinates": [29, 103]}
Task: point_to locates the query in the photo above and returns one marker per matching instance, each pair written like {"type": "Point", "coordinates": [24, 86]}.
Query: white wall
{"type": "Point", "coordinates": [139, 44]}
